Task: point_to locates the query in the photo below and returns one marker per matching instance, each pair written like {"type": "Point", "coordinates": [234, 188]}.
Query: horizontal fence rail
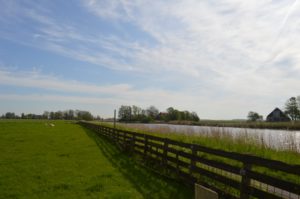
{"type": "Point", "coordinates": [230, 174]}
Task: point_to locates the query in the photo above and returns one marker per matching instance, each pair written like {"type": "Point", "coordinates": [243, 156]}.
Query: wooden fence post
{"type": "Point", "coordinates": [193, 162]}
{"type": "Point", "coordinates": [125, 143]}
{"type": "Point", "coordinates": [107, 133]}
{"type": "Point", "coordinates": [245, 181]}
{"type": "Point", "coordinates": [177, 164]}
{"type": "Point", "coordinates": [110, 133]}
{"type": "Point", "coordinates": [145, 146]}
{"type": "Point", "coordinates": [104, 132]}
{"type": "Point", "coordinates": [118, 136]}
{"type": "Point", "coordinates": [124, 137]}
{"type": "Point", "coordinates": [115, 113]}
{"type": "Point", "coordinates": [113, 135]}
{"type": "Point", "coordinates": [165, 152]}
{"type": "Point", "coordinates": [132, 143]}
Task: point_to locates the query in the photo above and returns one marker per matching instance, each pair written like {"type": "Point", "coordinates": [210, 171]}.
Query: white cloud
{"type": "Point", "coordinates": [104, 105]}
{"type": "Point", "coordinates": [35, 79]}
{"type": "Point", "coordinates": [224, 36]}
{"type": "Point", "coordinates": [245, 50]}
{"type": "Point", "coordinates": [110, 95]}
{"type": "Point", "coordinates": [241, 41]}
{"type": "Point", "coordinates": [113, 94]}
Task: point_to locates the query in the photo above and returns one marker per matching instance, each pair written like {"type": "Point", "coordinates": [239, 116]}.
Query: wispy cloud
{"type": "Point", "coordinates": [289, 12]}
{"type": "Point", "coordinates": [60, 98]}
{"type": "Point", "coordinates": [111, 96]}
{"type": "Point", "coordinates": [193, 35]}
{"type": "Point", "coordinates": [229, 51]}
{"type": "Point", "coordinates": [103, 95]}
{"type": "Point", "coordinates": [113, 93]}
{"type": "Point", "coordinates": [34, 79]}
{"type": "Point", "coordinates": [189, 36]}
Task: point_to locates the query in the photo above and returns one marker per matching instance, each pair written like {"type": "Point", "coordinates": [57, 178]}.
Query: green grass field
{"type": "Point", "coordinates": [38, 160]}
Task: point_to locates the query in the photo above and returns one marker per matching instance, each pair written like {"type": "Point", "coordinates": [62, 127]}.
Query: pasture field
{"type": "Point", "coordinates": [64, 160]}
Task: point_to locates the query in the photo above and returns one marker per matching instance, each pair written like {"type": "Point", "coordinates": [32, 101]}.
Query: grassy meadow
{"type": "Point", "coordinates": [60, 159]}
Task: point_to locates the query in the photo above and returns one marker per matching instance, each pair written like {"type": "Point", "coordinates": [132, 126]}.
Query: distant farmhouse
{"type": "Point", "coordinates": [277, 116]}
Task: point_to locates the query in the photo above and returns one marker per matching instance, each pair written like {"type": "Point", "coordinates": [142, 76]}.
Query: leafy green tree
{"type": "Point", "coordinates": [194, 117]}
{"type": "Point", "coordinates": [172, 113]}
{"type": "Point", "coordinates": [69, 114]}
{"type": "Point", "coordinates": [58, 115]}
{"type": "Point", "coordinates": [136, 113]}
{"type": "Point", "coordinates": [125, 113]}
{"type": "Point", "coordinates": [46, 115]}
{"type": "Point", "coordinates": [292, 108]}
{"type": "Point", "coordinates": [85, 115]}
{"type": "Point", "coordinates": [10, 115]}
{"type": "Point", "coordinates": [152, 112]}
{"type": "Point", "coordinates": [51, 115]}
{"type": "Point", "coordinates": [253, 116]}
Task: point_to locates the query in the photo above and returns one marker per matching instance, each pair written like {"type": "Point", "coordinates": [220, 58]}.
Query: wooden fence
{"type": "Point", "coordinates": [231, 175]}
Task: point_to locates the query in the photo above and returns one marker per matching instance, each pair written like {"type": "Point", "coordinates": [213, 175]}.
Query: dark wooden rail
{"type": "Point", "coordinates": [232, 175]}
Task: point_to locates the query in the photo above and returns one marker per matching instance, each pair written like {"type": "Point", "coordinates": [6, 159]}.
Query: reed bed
{"type": "Point", "coordinates": [287, 150]}
{"type": "Point", "coordinates": [292, 125]}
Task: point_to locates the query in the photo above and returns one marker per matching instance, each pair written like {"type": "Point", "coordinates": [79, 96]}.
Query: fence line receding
{"type": "Point", "coordinates": [230, 174]}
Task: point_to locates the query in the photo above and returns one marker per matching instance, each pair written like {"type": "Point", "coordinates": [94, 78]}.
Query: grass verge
{"type": "Point", "coordinates": [64, 160]}
{"type": "Point", "coordinates": [218, 140]}
{"type": "Point", "coordinates": [292, 125]}
{"type": "Point", "coordinates": [240, 146]}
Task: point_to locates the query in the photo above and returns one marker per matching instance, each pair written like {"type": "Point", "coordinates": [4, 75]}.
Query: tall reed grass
{"type": "Point", "coordinates": [287, 150]}
{"type": "Point", "coordinates": [292, 125]}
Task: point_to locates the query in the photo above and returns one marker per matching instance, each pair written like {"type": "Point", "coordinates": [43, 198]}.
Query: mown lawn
{"type": "Point", "coordinates": [38, 160]}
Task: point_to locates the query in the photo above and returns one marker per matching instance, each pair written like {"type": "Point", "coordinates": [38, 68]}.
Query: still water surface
{"type": "Point", "coordinates": [278, 139]}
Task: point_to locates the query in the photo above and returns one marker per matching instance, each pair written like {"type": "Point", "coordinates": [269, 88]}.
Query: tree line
{"type": "Point", "coordinates": [57, 115]}
{"type": "Point", "coordinates": [137, 114]}
{"type": "Point", "coordinates": [291, 109]}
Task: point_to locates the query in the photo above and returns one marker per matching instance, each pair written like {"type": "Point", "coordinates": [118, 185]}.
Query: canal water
{"type": "Point", "coordinates": [277, 139]}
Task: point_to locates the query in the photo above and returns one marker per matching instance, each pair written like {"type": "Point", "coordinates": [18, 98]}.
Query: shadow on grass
{"type": "Point", "coordinates": [149, 184]}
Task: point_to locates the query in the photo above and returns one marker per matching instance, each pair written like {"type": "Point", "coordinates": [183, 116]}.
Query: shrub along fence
{"type": "Point", "coordinates": [231, 175]}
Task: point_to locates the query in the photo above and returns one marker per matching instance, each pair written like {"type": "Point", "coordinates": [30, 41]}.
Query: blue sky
{"type": "Point", "coordinates": [220, 59]}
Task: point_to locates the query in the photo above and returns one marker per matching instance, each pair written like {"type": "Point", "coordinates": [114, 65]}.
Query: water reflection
{"type": "Point", "coordinates": [277, 139]}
